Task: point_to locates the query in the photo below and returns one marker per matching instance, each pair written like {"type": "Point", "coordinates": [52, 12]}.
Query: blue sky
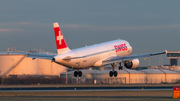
{"type": "Point", "coordinates": [149, 25]}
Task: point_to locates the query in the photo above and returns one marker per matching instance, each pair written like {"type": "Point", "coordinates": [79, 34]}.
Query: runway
{"type": "Point", "coordinates": [129, 88]}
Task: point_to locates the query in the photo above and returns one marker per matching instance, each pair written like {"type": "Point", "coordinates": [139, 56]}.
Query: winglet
{"type": "Point", "coordinates": [166, 51]}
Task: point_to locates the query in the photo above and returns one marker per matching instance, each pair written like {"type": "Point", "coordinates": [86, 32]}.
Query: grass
{"type": "Point", "coordinates": [84, 99]}
{"type": "Point", "coordinates": [88, 96]}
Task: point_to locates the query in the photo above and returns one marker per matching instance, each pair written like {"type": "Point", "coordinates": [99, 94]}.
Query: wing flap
{"type": "Point", "coordinates": [125, 58]}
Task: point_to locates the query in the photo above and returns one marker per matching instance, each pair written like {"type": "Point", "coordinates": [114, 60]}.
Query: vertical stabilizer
{"type": "Point", "coordinates": [60, 41]}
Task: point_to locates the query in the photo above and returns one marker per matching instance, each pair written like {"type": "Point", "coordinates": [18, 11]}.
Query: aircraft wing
{"type": "Point", "coordinates": [32, 55]}
{"type": "Point", "coordinates": [125, 58]}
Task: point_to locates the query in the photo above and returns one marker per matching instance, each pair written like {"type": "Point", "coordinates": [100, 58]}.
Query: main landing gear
{"type": "Point", "coordinates": [111, 73]}
{"type": "Point", "coordinates": [120, 67]}
{"type": "Point", "coordinates": [77, 73]}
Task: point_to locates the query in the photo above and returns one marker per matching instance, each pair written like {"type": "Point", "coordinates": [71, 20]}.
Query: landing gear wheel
{"type": "Point", "coordinates": [120, 67]}
{"type": "Point", "coordinates": [75, 73]}
{"type": "Point", "coordinates": [80, 73]}
{"type": "Point", "coordinates": [111, 73]}
{"type": "Point", "coordinates": [115, 73]}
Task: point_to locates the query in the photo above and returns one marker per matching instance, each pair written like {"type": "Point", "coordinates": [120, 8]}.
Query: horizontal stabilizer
{"type": "Point", "coordinates": [32, 55]}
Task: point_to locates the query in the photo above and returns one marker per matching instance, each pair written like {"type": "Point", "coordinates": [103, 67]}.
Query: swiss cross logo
{"type": "Point", "coordinates": [60, 37]}
{"type": "Point", "coordinates": [60, 41]}
{"type": "Point", "coordinates": [121, 47]}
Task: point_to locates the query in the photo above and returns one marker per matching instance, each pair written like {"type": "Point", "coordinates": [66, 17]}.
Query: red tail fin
{"type": "Point", "coordinates": [60, 41]}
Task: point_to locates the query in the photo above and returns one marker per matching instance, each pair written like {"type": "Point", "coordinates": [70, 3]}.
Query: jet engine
{"type": "Point", "coordinates": [131, 64]}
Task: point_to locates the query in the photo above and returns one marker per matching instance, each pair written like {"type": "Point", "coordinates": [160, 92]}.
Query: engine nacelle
{"type": "Point", "coordinates": [132, 64]}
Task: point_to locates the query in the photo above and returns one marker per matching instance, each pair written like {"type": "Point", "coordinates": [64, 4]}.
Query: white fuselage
{"type": "Point", "coordinates": [92, 56]}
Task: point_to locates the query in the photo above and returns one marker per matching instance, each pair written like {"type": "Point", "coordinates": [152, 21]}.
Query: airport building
{"type": "Point", "coordinates": [127, 76]}
{"type": "Point", "coordinates": [173, 56]}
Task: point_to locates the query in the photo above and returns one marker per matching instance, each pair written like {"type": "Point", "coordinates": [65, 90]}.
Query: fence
{"type": "Point", "coordinates": [58, 80]}
{"type": "Point", "coordinates": [121, 81]}
{"type": "Point", "coordinates": [31, 80]}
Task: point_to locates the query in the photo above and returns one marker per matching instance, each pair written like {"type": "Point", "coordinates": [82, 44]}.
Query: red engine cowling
{"type": "Point", "coordinates": [132, 64]}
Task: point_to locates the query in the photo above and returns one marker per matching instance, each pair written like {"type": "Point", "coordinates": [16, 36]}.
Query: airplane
{"type": "Point", "coordinates": [111, 52]}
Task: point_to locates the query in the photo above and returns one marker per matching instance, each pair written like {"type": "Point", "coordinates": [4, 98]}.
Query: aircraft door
{"type": "Point", "coordinates": [77, 60]}
{"type": "Point", "coordinates": [109, 50]}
